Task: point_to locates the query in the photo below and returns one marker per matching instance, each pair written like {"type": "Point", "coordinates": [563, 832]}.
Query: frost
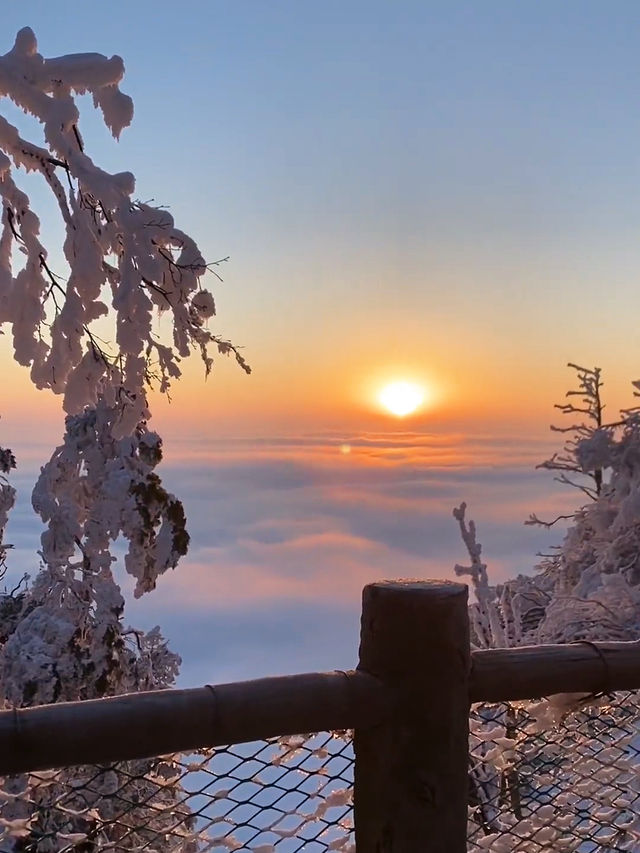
{"type": "Point", "coordinates": [18, 828]}
{"type": "Point", "coordinates": [595, 452]}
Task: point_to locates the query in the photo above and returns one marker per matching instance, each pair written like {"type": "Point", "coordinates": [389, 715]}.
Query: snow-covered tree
{"type": "Point", "coordinates": [589, 588]}
{"type": "Point", "coordinates": [81, 319]}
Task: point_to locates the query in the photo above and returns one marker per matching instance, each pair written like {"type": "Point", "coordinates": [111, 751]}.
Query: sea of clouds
{"type": "Point", "coordinates": [286, 531]}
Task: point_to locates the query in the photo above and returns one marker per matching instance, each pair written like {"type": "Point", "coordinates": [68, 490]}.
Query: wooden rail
{"type": "Point", "coordinates": [142, 725]}
{"type": "Point", "coordinates": [529, 672]}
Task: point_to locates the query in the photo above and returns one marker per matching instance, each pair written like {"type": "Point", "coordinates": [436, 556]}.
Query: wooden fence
{"type": "Point", "coordinates": [408, 703]}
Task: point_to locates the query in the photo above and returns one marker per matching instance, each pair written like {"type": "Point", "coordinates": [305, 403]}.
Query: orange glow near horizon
{"type": "Point", "coordinates": [340, 392]}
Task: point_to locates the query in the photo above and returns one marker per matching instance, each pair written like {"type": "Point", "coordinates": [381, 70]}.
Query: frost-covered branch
{"type": "Point", "coordinates": [115, 248]}
{"type": "Point", "coordinates": [586, 451]}
{"type": "Point", "coordinates": [484, 614]}
{"type": "Point", "coordinates": [534, 520]}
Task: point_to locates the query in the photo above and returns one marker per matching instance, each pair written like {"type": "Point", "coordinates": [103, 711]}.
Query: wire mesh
{"type": "Point", "coordinates": [267, 797]}
{"type": "Point", "coordinates": [557, 775]}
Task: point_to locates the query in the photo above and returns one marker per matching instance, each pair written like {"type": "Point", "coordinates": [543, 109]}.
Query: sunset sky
{"type": "Point", "coordinates": [443, 193]}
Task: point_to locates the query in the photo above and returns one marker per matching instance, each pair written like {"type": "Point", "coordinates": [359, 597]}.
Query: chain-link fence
{"type": "Point", "coordinates": [553, 775]}
{"type": "Point", "coordinates": [556, 775]}
{"type": "Point", "coordinates": [560, 774]}
{"type": "Point", "coordinates": [281, 795]}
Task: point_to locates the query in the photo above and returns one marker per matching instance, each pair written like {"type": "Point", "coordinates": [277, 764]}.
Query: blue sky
{"type": "Point", "coordinates": [442, 189]}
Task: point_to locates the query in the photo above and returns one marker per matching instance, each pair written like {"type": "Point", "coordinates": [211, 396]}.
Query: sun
{"type": "Point", "coordinates": [401, 398]}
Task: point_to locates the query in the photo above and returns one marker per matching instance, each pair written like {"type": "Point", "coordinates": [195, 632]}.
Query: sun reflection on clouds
{"type": "Point", "coordinates": [364, 449]}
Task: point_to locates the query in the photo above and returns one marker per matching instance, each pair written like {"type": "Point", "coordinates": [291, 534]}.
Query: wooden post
{"type": "Point", "coordinates": [411, 770]}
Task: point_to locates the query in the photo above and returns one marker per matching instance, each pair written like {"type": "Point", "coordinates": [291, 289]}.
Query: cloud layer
{"type": "Point", "coordinates": [286, 532]}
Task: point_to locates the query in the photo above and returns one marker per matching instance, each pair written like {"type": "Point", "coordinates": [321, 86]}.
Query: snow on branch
{"type": "Point", "coordinates": [587, 448]}
{"type": "Point", "coordinates": [7, 501]}
{"type": "Point", "coordinates": [117, 249]}
{"type": "Point", "coordinates": [485, 617]}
